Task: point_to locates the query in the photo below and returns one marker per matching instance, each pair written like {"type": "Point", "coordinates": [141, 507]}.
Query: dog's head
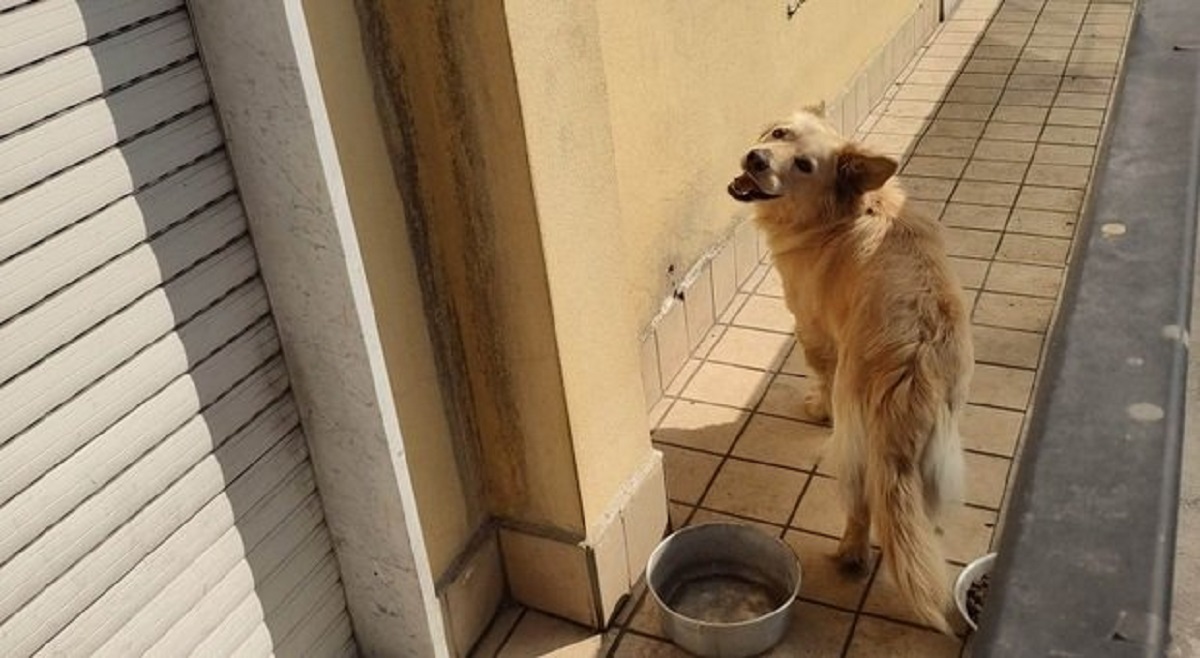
{"type": "Point", "coordinates": [803, 159]}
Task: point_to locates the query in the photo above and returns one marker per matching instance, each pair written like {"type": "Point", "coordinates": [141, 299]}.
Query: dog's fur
{"type": "Point", "coordinates": [882, 322]}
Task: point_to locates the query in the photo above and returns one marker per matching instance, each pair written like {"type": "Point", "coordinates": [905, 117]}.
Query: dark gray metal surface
{"type": "Point", "coordinates": [1085, 564]}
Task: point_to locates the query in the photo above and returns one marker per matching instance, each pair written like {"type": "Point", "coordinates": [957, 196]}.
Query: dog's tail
{"type": "Point", "coordinates": [913, 461]}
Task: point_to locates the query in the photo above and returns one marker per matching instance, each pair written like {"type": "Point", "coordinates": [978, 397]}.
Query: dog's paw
{"type": "Point", "coordinates": [816, 405]}
{"type": "Point", "coordinates": [852, 560]}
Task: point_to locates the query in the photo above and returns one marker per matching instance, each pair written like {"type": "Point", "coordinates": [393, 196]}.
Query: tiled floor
{"type": "Point", "coordinates": [997, 123]}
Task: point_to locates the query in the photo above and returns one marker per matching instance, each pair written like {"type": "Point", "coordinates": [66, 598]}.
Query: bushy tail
{"type": "Point", "coordinates": [911, 552]}
{"type": "Point", "coordinates": [913, 459]}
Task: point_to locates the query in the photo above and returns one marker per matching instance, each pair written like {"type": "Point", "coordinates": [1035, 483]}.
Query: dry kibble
{"type": "Point", "coordinates": [976, 595]}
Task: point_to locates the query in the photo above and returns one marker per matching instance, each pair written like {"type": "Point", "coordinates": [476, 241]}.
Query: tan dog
{"type": "Point", "coordinates": [882, 322]}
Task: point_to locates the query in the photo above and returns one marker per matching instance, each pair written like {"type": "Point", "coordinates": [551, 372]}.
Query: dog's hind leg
{"type": "Point", "coordinates": [847, 452]}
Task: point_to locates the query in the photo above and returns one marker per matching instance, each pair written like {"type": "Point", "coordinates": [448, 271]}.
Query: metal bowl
{"type": "Point", "coordinates": [972, 572]}
{"type": "Point", "coordinates": [725, 589]}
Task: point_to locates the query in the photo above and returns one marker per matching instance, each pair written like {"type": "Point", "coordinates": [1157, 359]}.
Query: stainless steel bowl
{"type": "Point", "coordinates": [725, 589]}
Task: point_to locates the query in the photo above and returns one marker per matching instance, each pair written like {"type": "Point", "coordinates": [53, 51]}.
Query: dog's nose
{"type": "Point", "coordinates": [756, 160]}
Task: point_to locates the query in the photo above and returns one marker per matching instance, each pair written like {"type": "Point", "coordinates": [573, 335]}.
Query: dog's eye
{"type": "Point", "coordinates": [805, 165]}
{"type": "Point", "coordinates": [779, 133]}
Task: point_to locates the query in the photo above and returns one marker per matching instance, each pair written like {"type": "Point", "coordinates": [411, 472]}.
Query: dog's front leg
{"type": "Point", "coordinates": [821, 354]}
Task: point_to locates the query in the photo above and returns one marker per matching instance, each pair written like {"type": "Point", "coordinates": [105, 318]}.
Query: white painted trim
{"type": "Point", "coordinates": [361, 296]}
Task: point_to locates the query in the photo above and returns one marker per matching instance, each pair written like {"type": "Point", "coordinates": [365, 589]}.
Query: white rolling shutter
{"type": "Point", "coordinates": [155, 491]}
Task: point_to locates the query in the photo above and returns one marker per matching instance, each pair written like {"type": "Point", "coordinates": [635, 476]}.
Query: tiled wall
{"type": "Point", "coordinates": [706, 292]}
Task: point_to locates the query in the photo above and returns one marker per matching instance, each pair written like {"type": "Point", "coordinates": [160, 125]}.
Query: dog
{"type": "Point", "coordinates": [882, 322]}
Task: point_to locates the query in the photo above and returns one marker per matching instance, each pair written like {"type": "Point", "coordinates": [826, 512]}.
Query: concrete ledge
{"type": "Point", "coordinates": [1085, 564]}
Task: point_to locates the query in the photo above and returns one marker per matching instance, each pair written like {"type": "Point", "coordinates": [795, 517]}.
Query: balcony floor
{"type": "Point", "coordinates": [997, 121]}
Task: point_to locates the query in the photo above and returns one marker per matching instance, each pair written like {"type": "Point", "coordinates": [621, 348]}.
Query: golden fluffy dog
{"type": "Point", "coordinates": [882, 322]}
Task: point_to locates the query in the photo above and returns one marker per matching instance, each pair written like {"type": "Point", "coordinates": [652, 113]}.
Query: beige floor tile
{"type": "Point", "coordinates": [985, 193]}
{"type": "Point", "coordinates": [997, 52]}
{"type": "Point", "coordinates": [926, 188]}
{"type": "Point", "coordinates": [1013, 311]}
{"type": "Point", "coordinates": [1088, 101]}
{"type": "Point", "coordinates": [796, 364]}
{"type": "Point", "coordinates": [676, 385]}
{"type": "Point", "coordinates": [538, 634]}
{"type": "Point", "coordinates": [1087, 85]}
{"type": "Point", "coordinates": [971, 243]}
{"type": "Point", "coordinates": [659, 411]}
{"type": "Point", "coordinates": [636, 646]}
{"type": "Point", "coordinates": [972, 215]}
{"type": "Point", "coordinates": [785, 397]}
{"type": "Point", "coordinates": [967, 532]}
{"type": "Point", "coordinates": [931, 209]}
{"type": "Point", "coordinates": [687, 472]}
{"type": "Point", "coordinates": [1075, 135]}
{"type": "Point", "coordinates": [884, 599]}
{"type": "Point", "coordinates": [948, 50]}
{"type": "Point", "coordinates": [725, 384]}
{"type": "Point", "coordinates": [1033, 249]}
{"type": "Point", "coordinates": [782, 441]}
{"type": "Point", "coordinates": [1060, 175]}
{"type": "Point", "coordinates": [1033, 67]}
{"type": "Point", "coordinates": [701, 426]}
{"type": "Point", "coordinates": [1000, 386]}
{"type": "Point", "coordinates": [929, 77]}
{"type": "Point", "coordinates": [912, 109]}
{"type": "Point", "coordinates": [1071, 116]}
{"type": "Point", "coordinates": [815, 632]}
{"type": "Point", "coordinates": [1039, 98]}
{"type": "Point", "coordinates": [821, 508]}
{"type": "Point", "coordinates": [678, 513]}
{"type": "Point", "coordinates": [772, 285]}
{"type": "Point", "coordinates": [1042, 222]}
{"type": "Point", "coordinates": [1024, 279]}
{"type": "Point", "coordinates": [1050, 198]}
{"type": "Point", "coordinates": [897, 125]}
{"type": "Point", "coordinates": [929, 63]}
{"type": "Point", "coordinates": [752, 348]}
{"type": "Point", "coordinates": [908, 92]}
{"type": "Point", "coordinates": [987, 477]}
{"type": "Point", "coordinates": [973, 95]}
{"type": "Point", "coordinates": [1017, 132]}
{"type": "Point", "coordinates": [901, 641]}
{"type": "Point", "coordinates": [735, 305]}
{"type": "Point", "coordinates": [823, 581]}
{"type": "Point", "coordinates": [996, 171]}
{"type": "Point", "coordinates": [935, 166]}
{"type": "Point", "coordinates": [1020, 114]}
{"type": "Point", "coordinates": [1051, 41]}
{"type": "Point", "coordinates": [497, 632]}
{"type": "Point", "coordinates": [647, 618]}
{"type": "Point", "coordinates": [949, 147]}
{"type": "Point", "coordinates": [968, 111]}
{"type": "Point", "coordinates": [710, 516]}
{"type": "Point", "coordinates": [1034, 82]}
{"type": "Point", "coordinates": [970, 271]}
{"type": "Point", "coordinates": [992, 149]}
{"type": "Point", "coordinates": [941, 127]}
{"type": "Point", "coordinates": [979, 65]}
{"type": "Point", "coordinates": [769, 313]}
{"type": "Point", "coordinates": [757, 491]}
{"type": "Point", "coordinates": [1097, 69]}
{"type": "Point", "coordinates": [991, 430]}
{"type": "Point", "coordinates": [1008, 347]}
{"type": "Point", "coordinates": [893, 145]}
{"type": "Point", "coordinates": [990, 80]}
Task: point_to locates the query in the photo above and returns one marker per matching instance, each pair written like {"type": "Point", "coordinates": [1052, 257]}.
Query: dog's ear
{"type": "Point", "coordinates": [818, 109]}
{"type": "Point", "coordinates": [859, 170]}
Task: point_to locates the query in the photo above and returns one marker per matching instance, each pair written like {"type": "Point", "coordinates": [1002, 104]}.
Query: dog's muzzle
{"type": "Point", "coordinates": [746, 187]}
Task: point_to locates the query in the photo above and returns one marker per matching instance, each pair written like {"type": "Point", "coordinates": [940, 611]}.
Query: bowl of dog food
{"type": "Point", "coordinates": [725, 589]}
{"type": "Point", "coordinates": [971, 589]}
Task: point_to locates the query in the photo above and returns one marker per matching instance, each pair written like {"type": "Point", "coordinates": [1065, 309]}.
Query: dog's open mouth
{"type": "Point", "coordinates": [745, 188]}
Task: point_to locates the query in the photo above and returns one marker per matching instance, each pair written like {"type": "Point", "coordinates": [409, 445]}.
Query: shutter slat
{"type": "Point", "coordinates": [37, 273]}
{"type": "Point", "coordinates": [67, 197]}
{"type": "Point", "coordinates": [43, 28]}
{"type": "Point", "coordinates": [94, 126]}
{"type": "Point", "coordinates": [87, 579]}
{"type": "Point", "coordinates": [82, 73]}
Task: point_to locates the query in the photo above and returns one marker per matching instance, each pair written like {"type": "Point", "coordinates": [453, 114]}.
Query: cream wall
{"type": "Point", "coordinates": [450, 511]}
{"type": "Point", "coordinates": [689, 83]}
